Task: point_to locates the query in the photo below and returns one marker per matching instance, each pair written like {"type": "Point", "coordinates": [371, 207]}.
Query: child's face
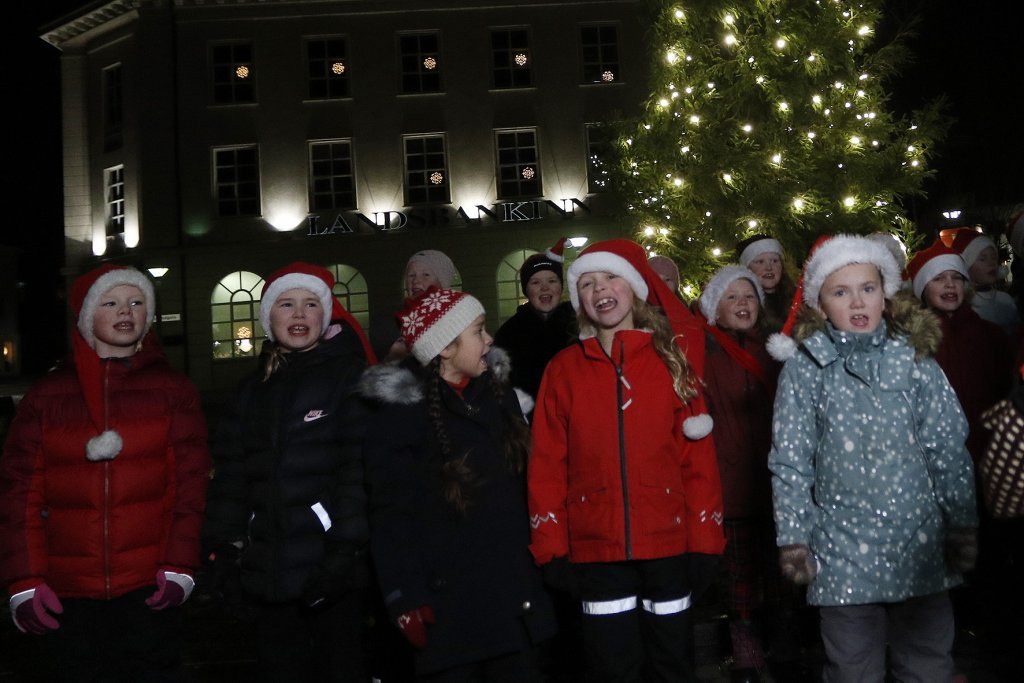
{"type": "Point", "coordinates": [419, 278]}
{"type": "Point", "coordinates": [852, 298]}
{"type": "Point", "coordinates": [465, 356]}
{"type": "Point", "coordinates": [296, 318]}
{"type": "Point", "coordinates": [119, 321]}
{"type": "Point", "coordinates": [945, 291]}
{"type": "Point", "coordinates": [666, 273]}
{"type": "Point", "coordinates": [544, 291]}
{"type": "Point", "coordinates": [607, 299]}
{"type": "Point", "coordinates": [738, 308]}
{"type": "Point", "coordinates": [768, 268]}
{"type": "Point", "coordinates": [985, 269]}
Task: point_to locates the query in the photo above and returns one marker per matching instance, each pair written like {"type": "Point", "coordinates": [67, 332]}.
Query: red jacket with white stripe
{"type": "Point", "coordinates": [101, 529]}
{"type": "Point", "coordinates": [612, 476]}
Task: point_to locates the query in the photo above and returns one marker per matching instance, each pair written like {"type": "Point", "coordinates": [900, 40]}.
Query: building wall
{"type": "Point", "coordinates": [171, 127]}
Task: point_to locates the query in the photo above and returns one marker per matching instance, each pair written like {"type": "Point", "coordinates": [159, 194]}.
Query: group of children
{"type": "Point", "coordinates": [806, 431]}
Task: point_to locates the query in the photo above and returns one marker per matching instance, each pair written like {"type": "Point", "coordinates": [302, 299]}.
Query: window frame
{"type": "Point", "coordinates": [227, 87]}
{"type": "Point", "coordinates": [595, 62]}
{"type": "Point", "coordinates": [114, 213]}
{"type": "Point", "coordinates": [413, 70]}
{"type": "Point", "coordinates": [325, 67]}
{"type": "Point", "coordinates": [434, 193]}
{"type": "Point", "coordinates": [502, 163]}
{"type": "Point", "coordinates": [503, 59]}
{"type": "Point", "coordinates": [331, 177]}
{"type": "Point", "coordinates": [220, 183]}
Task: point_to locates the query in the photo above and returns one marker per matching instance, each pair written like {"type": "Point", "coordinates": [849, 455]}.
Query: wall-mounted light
{"type": "Point", "coordinates": [577, 242]}
{"type": "Point", "coordinates": [158, 272]}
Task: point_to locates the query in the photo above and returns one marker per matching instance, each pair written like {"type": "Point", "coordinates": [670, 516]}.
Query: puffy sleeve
{"type": "Point", "coordinates": [547, 474]}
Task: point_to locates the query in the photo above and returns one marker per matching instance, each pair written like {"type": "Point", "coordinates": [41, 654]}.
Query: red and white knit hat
{"type": "Point", "coordinates": [552, 260]}
{"type": "Point", "coordinates": [433, 320]}
{"type": "Point", "coordinates": [316, 280]}
{"type": "Point", "coordinates": [85, 296]}
{"type": "Point", "coordinates": [829, 254]}
{"type": "Point", "coordinates": [931, 262]}
{"type": "Point", "coordinates": [969, 243]}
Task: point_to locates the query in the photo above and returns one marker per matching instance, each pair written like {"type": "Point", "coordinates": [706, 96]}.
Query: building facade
{"type": "Point", "coordinates": [212, 141]}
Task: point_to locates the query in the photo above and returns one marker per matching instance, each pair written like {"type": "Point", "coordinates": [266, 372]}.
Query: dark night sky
{"type": "Point", "coordinates": [964, 50]}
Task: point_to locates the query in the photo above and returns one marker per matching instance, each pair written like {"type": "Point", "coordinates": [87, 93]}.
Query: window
{"type": "Point", "coordinates": [421, 62]}
{"type": "Point", "coordinates": [426, 170]}
{"type": "Point", "coordinates": [237, 181]}
{"type": "Point", "coordinates": [599, 53]}
{"type": "Point", "coordinates": [350, 290]}
{"type": "Point", "coordinates": [599, 148]}
{"type": "Point", "coordinates": [332, 182]}
{"type": "Point", "coordinates": [511, 59]}
{"type": "Point", "coordinates": [234, 73]}
{"type": "Point", "coordinates": [518, 164]}
{"type": "Point", "coordinates": [235, 314]}
{"type": "Point", "coordinates": [113, 108]}
{"type": "Point", "coordinates": [510, 290]}
{"type": "Point", "coordinates": [327, 68]}
{"type": "Point", "coordinates": [113, 181]}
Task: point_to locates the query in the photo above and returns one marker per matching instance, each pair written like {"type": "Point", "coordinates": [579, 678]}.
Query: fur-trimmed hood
{"type": "Point", "coordinates": [919, 326]}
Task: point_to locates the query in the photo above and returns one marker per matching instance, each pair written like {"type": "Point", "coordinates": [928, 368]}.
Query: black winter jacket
{"type": "Point", "coordinates": [474, 570]}
{"type": "Point", "coordinates": [288, 475]}
{"type": "Point", "coordinates": [531, 341]}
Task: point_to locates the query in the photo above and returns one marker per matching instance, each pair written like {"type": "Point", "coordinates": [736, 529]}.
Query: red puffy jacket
{"type": "Point", "coordinates": [101, 529]}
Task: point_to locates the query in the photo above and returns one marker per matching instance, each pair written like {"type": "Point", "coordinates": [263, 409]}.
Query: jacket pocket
{"type": "Point", "coordinates": [658, 509]}
{"type": "Point", "coordinates": [592, 515]}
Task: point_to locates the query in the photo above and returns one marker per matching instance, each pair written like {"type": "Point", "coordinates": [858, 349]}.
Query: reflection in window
{"type": "Point", "coordinates": [235, 314]}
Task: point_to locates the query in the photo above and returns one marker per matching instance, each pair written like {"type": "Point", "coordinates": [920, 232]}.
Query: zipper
{"type": "Point", "coordinates": [619, 383]}
{"type": "Point", "coordinates": [106, 485]}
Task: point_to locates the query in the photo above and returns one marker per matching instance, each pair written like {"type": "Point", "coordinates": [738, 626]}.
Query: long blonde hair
{"type": "Point", "coordinates": [649, 317]}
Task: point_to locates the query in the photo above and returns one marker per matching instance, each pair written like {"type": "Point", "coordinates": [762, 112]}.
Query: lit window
{"type": "Point", "coordinates": [114, 184]}
{"type": "Point", "coordinates": [599, 139]}
{"type": "Point", "coordinates": [510, 289]}
{"type": "Point", "coordinates": [235, 315]}
{"type": "Point", "coordinates": [350, 289]}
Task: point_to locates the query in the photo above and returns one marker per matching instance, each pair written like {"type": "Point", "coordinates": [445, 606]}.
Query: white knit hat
{"type": "Point", "coordinates": [439, 265]}
{"type": "Point", "coordinates": [716, 287]}
{"type": "Point", "coordinates": [432, 321]}
{"type": "Point", "coordinates": [316, 280]}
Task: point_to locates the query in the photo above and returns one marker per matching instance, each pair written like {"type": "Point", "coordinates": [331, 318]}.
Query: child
{"type": "Point", "coordinates": [985, 273]}
{"type": "Point", "coordinates": [623, 483]}
{"type": "Point", "coordinates": [445, 459]}
{"type": "Point", "coordinates": [542, 326]}
{"type": "Point", "coordinates": [764, 256]}
{"type": "Point", "coordinates": [873, 488]}
{"type": "Point", "coordinates": [668, 271]}
{"type": "Point", "coordinates": [740, 380]}
{"type": "Point", "coordinates": [102, 487]}
{"type": "Point", "coordinates": [288, 493]}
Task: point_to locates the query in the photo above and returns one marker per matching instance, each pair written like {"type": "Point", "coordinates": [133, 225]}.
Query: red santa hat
{"type": "Point", "coordinates": [829, 254]}
{"type": "Point", "coordinates": [755, 245]}
{"type": "Point", "coordinates": [969, 243]}
{"type": "Point", "coordinates": [433, 320]}
{"type": "Point", "coordinates": [552, 259]}
{"type": "Point", "coordinates": [85, 295]}
{"type": "Point", "coordinates": [318, 281]}
{"type": "Point", "coordinates": [931, 262]}
{"type": "Point", "coordinates": [628, 260]}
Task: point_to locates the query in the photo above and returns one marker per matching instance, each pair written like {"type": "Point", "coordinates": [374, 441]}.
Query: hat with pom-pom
{"type": "Point", "coordinates": [755, 245]}
{"type": "Point", "coordinates": [84, 298]}
{"type": "Point", "coordinates": [931, 262]}
{"type": "Point", "coordinates": [551, 260]}
{"type": "Point", "coordinates": [433, 320]}
{"type": "Point", "coordinates": [719, 282]}
{"type": "Point", "coordinates": [628, 260]}
{"type": "Point", "coordinates": [829, 254]}
{"type": "Point", "coordinates": [969, 243]}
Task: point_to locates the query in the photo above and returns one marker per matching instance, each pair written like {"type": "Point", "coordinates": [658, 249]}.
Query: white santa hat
{"type": "Point", "coordinates": [716, 286]}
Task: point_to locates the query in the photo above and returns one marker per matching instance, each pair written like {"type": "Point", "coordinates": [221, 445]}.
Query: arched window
{"type": "Point", "coordinates": [235, 312]}
{"type": "Point", "coordinates": [510, 292]}
{"type": "Point", "coordinates": [350, 289]}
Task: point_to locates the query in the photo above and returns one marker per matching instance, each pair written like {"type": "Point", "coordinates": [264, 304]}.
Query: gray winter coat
{"type": "Point", "coordinates": [869, 466]}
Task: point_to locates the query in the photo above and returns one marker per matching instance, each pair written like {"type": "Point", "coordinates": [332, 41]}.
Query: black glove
{"type": "Point", "coordinates": [344, 568]}
{"type": "Point", "coordinates": [560, 575]}
{"type": "Point", "coordinates": [221, 578]}
{"type": "Point", "coordinates": [701, 570]}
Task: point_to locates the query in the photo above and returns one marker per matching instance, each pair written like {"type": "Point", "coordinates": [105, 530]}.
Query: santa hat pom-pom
{"type": "Point", "coordinates": [106, 446]}
{"type": "Point", "coordinates": [698, 426]}
{"type": "Point", "coordinates": [526, 401]}
{"type": "Point", "coordinates": [781, 347]}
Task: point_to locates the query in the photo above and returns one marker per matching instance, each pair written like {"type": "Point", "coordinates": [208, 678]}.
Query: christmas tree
{"type": "Point", "coordinates": [770, 116]}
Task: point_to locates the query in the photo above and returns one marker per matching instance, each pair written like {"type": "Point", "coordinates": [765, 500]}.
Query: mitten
{"type": "Point", "coordinates": [701, 570]}
{"type": "Point", "coordinates": [31, 610]}
{"type": "Point", "coordinates": [797, 564]}
{"type": "Point", "coordinates": [342, 570]}
{"type": "Point", "coordinates": [560, 575]}
{"type": "Point", "coordinates": [961, 549]}
{"type": "Point", "coordinates": [172, 589]}
{"type": "Point", "coordinates": [413, 625]}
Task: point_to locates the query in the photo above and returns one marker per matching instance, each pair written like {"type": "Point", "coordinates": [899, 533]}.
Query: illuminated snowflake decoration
{"type": "Point", "coordinates": [528, 173]}
{"type": "Point", "coordinates": [242, 71]}
{"type": "Point", "coordinates": [243, 333]}
{"type": "Point", "coordinates": [520, 59]}
{"type": "Point", "coordinates": [436, 178]}
{"type": "Point", "coordinates": [607, 77]}
{"type": "Point", "coordinates": [429, 63]}
{"type": "Point", "coordinates": [338, 68]}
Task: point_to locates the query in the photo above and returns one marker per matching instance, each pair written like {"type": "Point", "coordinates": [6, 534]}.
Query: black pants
{"type": "Point", "coordinates": [117, 640]}
{"type": "Point", "coordinates": [636, 621]}
{"type": "Point", "coordinates": [515, 667]}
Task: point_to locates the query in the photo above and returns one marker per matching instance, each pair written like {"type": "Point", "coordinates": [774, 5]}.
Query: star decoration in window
{"type": "Point", "coordinates": [528, 172]}
{"type": "Point", "coordinates": [429, 63]}
{"type": "Point", "coordinates": [338, 68]}
{"type": "Point", "coordinates": [436, 178]}
{"type": "Point", "coordinates": [242, 71]}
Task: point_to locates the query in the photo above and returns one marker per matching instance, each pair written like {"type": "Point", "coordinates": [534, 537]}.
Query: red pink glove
{"type": "Point", "coordinates": [172, 589]}
{"type": "Point", "coordinates": [413, 625]}
{"type": "Point", "coordinates": [31, 610]}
